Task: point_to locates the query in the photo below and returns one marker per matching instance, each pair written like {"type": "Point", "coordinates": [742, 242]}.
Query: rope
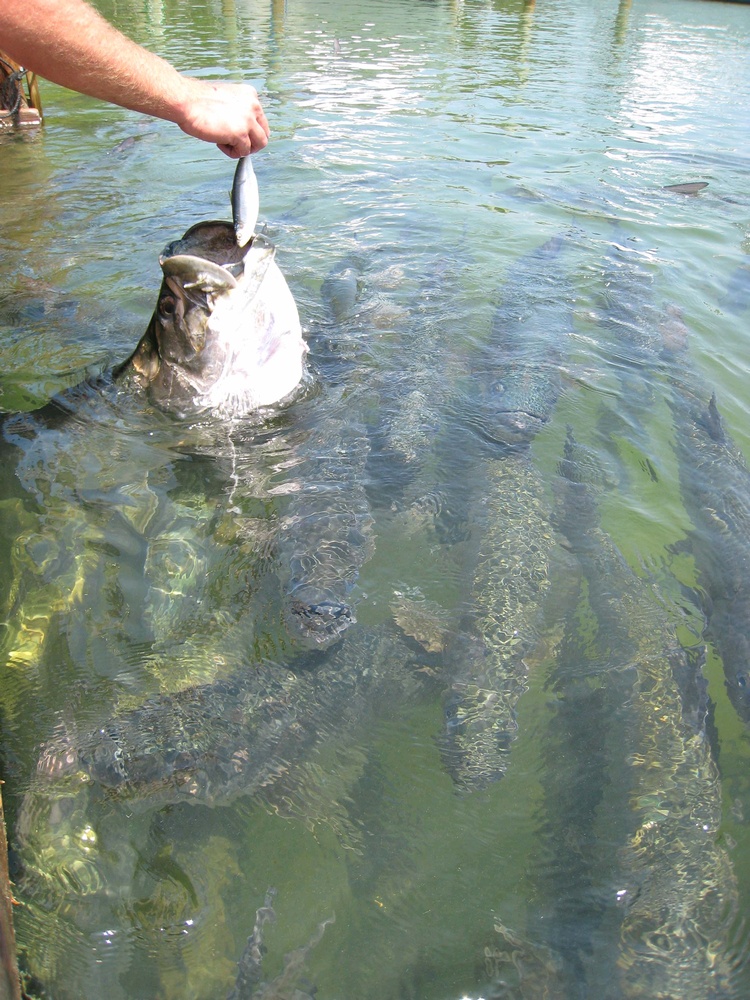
{"type": "Point", "coordinates": [11, 93]}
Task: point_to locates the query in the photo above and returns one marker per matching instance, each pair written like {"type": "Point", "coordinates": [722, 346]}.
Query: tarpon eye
{"type": "Point", "coordinates": [167, 306]}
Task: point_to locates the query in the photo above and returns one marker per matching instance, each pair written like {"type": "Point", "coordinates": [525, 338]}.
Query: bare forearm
{"type": "Point", "coordinates": [69, 43]}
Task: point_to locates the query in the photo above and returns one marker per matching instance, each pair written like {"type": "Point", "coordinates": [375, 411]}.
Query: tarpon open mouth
{"type": "Point", "coordinates": [208, 255]}
{"type": "Point", "coordinates": [225, 336]}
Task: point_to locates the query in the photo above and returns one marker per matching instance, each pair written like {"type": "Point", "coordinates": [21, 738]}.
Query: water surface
{"type": "Point", "coordinates": [438, 145]}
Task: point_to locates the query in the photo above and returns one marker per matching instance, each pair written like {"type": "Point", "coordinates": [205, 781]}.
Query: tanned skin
{"type": "Point", "coordinates": [70, 43]}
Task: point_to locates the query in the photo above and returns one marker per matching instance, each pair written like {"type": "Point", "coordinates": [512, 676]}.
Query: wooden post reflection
{"type": "Point", "coordinates": [621, 21]}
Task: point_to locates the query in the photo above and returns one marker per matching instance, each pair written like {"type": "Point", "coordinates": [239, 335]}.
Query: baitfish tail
{"type": "Point", "coordinates": [250, 985]}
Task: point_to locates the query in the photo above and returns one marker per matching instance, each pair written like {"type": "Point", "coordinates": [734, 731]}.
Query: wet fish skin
{"type": "Point", "coordinates": [225, 337]}
{"type": "Point", "coordinates": [245, 201]}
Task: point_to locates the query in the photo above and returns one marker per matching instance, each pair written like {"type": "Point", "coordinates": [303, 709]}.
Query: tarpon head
{"type": "Point", "coordinates": [225, 335]}
{"type": "Point", "coordinates": [514, 407]}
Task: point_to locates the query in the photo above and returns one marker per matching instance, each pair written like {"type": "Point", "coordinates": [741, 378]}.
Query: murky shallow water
{"type": "Point", "coordinates": [438, 146]}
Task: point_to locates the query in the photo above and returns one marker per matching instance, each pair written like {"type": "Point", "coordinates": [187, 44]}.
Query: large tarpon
{"type": "Point", "coordinates": [157, 514]}
{"type": "Point", "coordinates": [715, 484]}
{"type": "Point", "coordinates": [515, 381]}
{"type": "Point", "coordinates": [663, 885]}
{"type": "Point", "coordinates": [634, 892]}
{"type": "Point", "coordinates": [238, 736]}
{"type": "Point", "coordinates": [651, 352]}
{"type": "Point", "coordinates": [269, 731]}
{"type": "Point", "coordinates": [518, 372]}
{"type": "Point", "coordinates": [225, 336]}
{"type": "Point", "coordinates": [223, 355]}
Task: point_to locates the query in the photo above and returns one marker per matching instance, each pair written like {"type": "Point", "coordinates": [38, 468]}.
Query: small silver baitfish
{"type": "Point", "coordinates": [245, 201]}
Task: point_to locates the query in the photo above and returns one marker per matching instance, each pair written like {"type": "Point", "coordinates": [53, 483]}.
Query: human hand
{"type": "Point", "coordinates": [225, 113]}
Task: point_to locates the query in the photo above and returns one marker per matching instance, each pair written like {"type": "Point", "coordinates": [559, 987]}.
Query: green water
{"type": "Point", "coordinates": [439, 143]}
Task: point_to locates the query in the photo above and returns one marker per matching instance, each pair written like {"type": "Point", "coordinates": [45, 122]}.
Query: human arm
{"type": "Point", "coordinates": [70, 43]}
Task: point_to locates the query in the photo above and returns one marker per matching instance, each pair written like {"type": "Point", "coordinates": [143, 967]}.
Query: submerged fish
{"type": "Point", "coordinates": [245, 201]}
{"type": "Point", "coordinates": [662, 885]}
{"type": "Point", "coordinates": [736, 298]}
{"type": "Point", "coordinates": [519, 372]}
{"type": "Point", "coordinates": [651, 353]}
{"type": "Point", "coordinates": [269, 731]}
{"type": "Point", "coordinates": [634, 894]}
{"type": "Point", "coordinates": [249, 967]}
{"type": "Point", "coordinates": [249, 984]}
{"type": "Point", "coordinates": [516, 381]}
{"type": "Point", "coordinates": [715, 484]}
{"type": "Point", "coordinates": [237, 736]}
{"type": "Point", "coordinates": [512, 550]}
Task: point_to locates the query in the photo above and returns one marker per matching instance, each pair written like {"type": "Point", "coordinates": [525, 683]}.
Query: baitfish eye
{"type": "Point", "coordinates": [167, 305]}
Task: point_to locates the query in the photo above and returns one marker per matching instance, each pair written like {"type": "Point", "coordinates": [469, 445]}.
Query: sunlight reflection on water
{"type": "Point", "coordinates": [434, 148]}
